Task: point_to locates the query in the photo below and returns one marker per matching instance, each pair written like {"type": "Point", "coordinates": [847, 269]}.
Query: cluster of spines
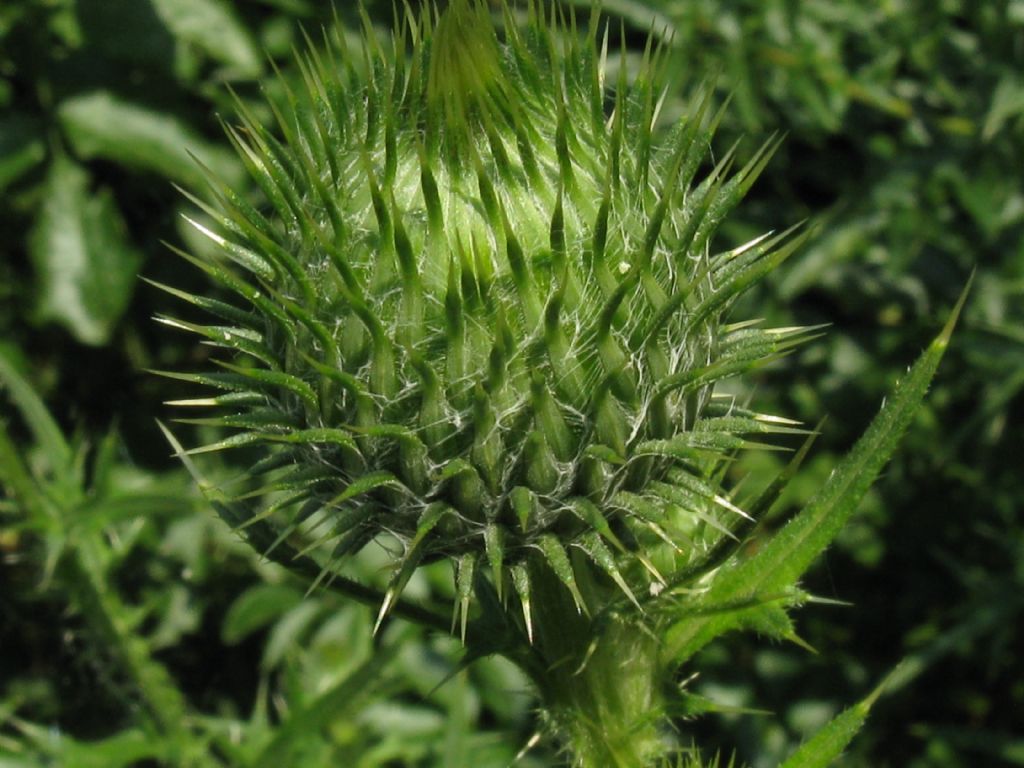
{"type": "Point", "coordinates": [491, 328]}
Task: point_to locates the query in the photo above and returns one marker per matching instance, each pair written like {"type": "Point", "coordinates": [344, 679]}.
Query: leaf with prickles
{"type": "Point", "coordinates": [589, 513]}
{"type": "Point", "coordinates": [557, 558]}
{"type": "Point", "coordinates": [521, 582]}
{"type": "Point", "coordinates": [592, 545]}
{"type": "Point", "coordinates": [465, 568]}
{"type": "Point", "coordinates": [431, 516]}
{"type": "Point", "coordinates": [825, 746]}
{"type": "Point", "coordinates": [734, 190]}
{"type": "Point", "coordinates": [764, 502]}
{"type": "Point", "coordinates": [433, 424]}
{"type": "Point", "coordinates": [640, 507]}
{"type": "Point", "coordinates": [610, 423]}
{"type": "Point", "coordinates": [342, 524]}
{"type": "Point", "coordinates": [494, 544]}
{"type": "Point", "coordinates": [598, 244]}
{"type": "Point", "coordinates": [324, 337]}
{"type": "Point", "coordinates": [455, 330]}
{"type": "Point", "coordinates": [687, 705]}
{"type": "Point", "coordinates": [651, 515]}
{"type": "Point", "coordinates": [772, 620]}
{"type": "Point", "coordinates": [613, 358]}
{"type": "Point", "coordinates": [700, 201]}
{"type": "Point", "coordinates": [556, 238]}
{"type": "Point", "coordinates": [488, 197]}
{"type": "Point", "coordinates": [787, 556]}
{"type": "Point", "coordinates": [657, 220]}
{"type": "Point", "coordinates": [486, 453]}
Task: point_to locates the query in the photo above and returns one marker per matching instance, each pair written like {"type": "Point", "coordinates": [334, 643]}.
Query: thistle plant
{"type": "Point", "coordinates": [478, 316]}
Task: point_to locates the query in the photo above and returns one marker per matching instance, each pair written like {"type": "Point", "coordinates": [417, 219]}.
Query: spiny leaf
{"type": "Point", "coordinates": [825, 746]}
{"type": "Point", "coordinates": [784, 559]}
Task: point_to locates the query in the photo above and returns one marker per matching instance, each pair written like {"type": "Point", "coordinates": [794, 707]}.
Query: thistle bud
{"type": "Point", "coordinates": [478, 309]}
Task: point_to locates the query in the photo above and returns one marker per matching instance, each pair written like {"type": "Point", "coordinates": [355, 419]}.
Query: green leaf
{"type": "Point", "coordinates": [1007, 104]}
{"type": "Point", "coordinates": [85, 268]}
{"type": "Point", "coordinates": [38, 419]}
{"type": "Point", "coordinates": [787, 556]}
{"type": "Point", "coordinates": [288, 630]}
{"type": "Point", "coordinates": [123, 749]}
{"type": "Point", "coordinates": [825, 746]}
{"type": "Point", "coordinates": [101, 125]}
{"type": "Point", "coordinates": [255, 608]}
{"type": "Point", "coordinates": [214, 28]}
{"type": "Point", "coordinates": [340, 701]}
{"type": "Point", "coordinates": [641, 15]}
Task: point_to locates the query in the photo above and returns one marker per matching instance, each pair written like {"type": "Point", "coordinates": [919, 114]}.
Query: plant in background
{"type": "Point", "coordinates": [478, 317]}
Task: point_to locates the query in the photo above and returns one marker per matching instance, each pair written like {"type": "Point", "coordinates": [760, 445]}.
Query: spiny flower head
{"type": "Point", "coordinates": [478, 310]}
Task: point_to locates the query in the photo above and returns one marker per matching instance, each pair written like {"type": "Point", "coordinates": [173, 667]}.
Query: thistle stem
{"type": "Point", "coordinates": [601, 682]}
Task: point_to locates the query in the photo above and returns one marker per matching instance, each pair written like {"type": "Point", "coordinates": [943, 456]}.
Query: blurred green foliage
{"type": "Point", "coordinates": [134, 628]}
